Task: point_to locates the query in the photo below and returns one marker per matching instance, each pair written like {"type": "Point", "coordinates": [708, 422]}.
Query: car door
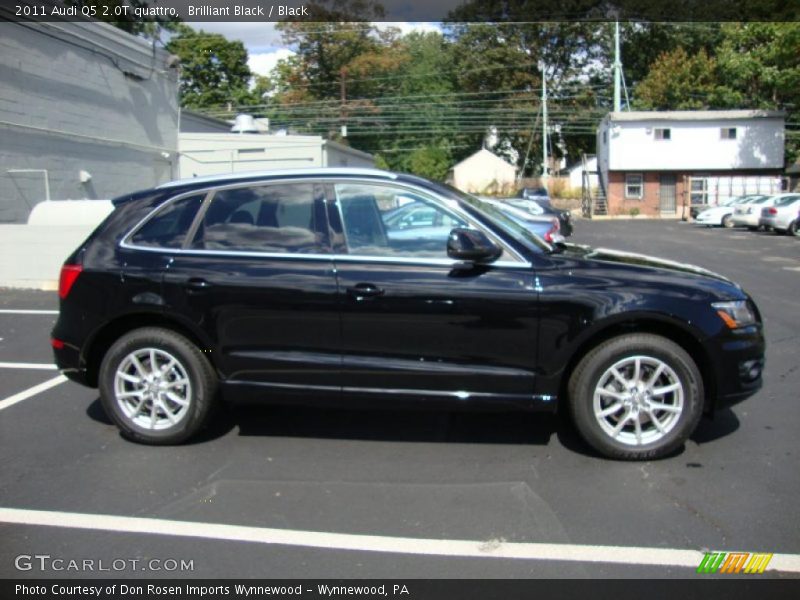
{"type": "Point", "coordinates": [257, 279]}
{"type": "Point", "coordinates": [416, 323]}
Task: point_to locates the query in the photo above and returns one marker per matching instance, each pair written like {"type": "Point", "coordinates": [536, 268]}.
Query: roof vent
{"type": "Point", "coordinates": [244, 124]}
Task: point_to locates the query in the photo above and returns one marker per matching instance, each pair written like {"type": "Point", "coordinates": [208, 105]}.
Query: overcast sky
{"type": "Point", "coordinates": [263, 41]}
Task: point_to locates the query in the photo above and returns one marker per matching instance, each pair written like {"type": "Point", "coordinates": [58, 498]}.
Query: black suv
{"type": "Point", "coordinates": [296, 286]}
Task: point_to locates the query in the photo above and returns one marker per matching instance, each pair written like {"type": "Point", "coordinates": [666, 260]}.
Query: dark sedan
{"type": "Point", "coordinates": [289, 286]}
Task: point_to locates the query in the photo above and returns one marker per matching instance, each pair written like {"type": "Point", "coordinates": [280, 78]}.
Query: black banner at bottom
{"type": "Point", "coordinates": [409, 589]}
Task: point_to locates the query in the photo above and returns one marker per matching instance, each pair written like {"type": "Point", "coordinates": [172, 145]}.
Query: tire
{"type": "Point", "coordinates": [181, 388]}
{"type": "Point", "coordinates": [794, 229]}
{"type": "Point", "coordinates": [726, 222]}
{"type": "Point", "coordinates": [676, 370]}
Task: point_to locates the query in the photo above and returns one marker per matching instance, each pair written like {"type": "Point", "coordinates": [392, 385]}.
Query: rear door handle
{"type": "Point", "coordinates": [362, 291]}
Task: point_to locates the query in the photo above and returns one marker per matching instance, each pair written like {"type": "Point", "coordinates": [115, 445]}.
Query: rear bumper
{"type": "Point", "coordinates": [68, 360]}
{"type": "Point", "coordinates": [745, 220]}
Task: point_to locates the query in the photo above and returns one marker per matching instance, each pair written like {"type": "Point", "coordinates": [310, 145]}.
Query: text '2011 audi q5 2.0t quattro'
{"type": "Point", "coordinates": [300, 285]}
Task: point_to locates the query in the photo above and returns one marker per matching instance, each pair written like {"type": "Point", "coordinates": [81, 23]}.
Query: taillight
{"type": "Point", "coordinates": [69, 274]}
{"type": "Point", "coordinates": [56, 343]}
{"type": "Point", "coordinates": [548, 237]}
{"type": "Point", "coordinates": [772, 211]}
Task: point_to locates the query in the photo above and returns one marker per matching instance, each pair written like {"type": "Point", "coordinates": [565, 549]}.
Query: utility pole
{"type": "Point", "coordinates": [343, 96]}
{"type": "Point", "coordinates": [544, 125]}
{"type": "Point", "coordinates": [617, 70]}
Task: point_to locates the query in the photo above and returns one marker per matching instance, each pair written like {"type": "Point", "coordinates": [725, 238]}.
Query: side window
{"type": "Point", "coordinates": [169, 226]}
{"type": "Point", "coordinates": [270, 218]}
{"type": "Point", "coordinates": [384, 221]}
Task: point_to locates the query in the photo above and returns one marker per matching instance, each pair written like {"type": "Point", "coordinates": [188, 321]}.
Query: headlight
{"type": "Point", "coordinates": [735, 314]}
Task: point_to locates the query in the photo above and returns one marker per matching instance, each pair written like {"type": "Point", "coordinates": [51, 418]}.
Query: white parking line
{"type": "Point", "coordinates": [13, 365]}
{"type": "Point", "coordinates": [25, 394]}
{"type": "Point", "coordinates": [627, 555]}
{"type": "Point", "coordinates": [20, 311]}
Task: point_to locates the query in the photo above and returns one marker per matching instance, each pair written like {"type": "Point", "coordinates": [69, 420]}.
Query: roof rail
{"type": "Point", "coordinates": [323, 171]}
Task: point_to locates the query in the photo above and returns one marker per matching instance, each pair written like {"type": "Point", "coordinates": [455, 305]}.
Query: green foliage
{"type": "Point", "coordinates": [677, 81]}
{"type": "Point", "coordinates": [214, 70]}
{"type": "Point", "coordinates": [429, 161]}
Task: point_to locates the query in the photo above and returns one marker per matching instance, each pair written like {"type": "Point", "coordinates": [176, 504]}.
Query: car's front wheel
{"type": "Point", "coordinates": [636, 397]}
{"type": "Point", "coordinates": [156, 386]}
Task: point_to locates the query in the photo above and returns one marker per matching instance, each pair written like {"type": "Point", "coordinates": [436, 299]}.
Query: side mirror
{"type": "Point", "coordinates": [472, 245]}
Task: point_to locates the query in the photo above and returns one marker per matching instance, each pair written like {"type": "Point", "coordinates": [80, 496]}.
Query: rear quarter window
{"type": "Point", "coordinates": [170, 225]}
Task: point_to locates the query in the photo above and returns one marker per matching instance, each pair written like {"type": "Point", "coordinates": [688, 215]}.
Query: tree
{"type": "Point", "coordinates": [214, 70]}
{"type": "Point", "coordinates": [677, 81]}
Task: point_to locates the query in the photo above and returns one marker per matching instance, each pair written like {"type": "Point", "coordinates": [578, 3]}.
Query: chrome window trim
{"type": "Point", "coordinates": [445, 262]}
{"type": "Point", "coordinates": [126, 239]}
{"type": "Point", "coordinates": [331, 179]}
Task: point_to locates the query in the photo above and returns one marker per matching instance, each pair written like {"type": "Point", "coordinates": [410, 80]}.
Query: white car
{"type": "Point", "coordinates": [721, 214]}
{"type": "Point", "coordinates": [748, 215]}
{"type": "Point", "coordinates": [782, 215]}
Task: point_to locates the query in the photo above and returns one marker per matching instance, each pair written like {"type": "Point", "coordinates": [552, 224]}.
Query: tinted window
{"type": "Point", "coordinates": [273, 218]}
{"type": "Point", "coordinates": [385, 221]}
{"type": "Point", "coordinates": [169, 226]}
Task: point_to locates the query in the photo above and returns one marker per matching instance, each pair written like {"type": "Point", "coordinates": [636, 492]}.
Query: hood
{"type": "Point", "coordinates": [640, 260]}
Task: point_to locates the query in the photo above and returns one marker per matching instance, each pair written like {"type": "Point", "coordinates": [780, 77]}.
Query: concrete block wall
{"type": "Point", "coordinates": [82, 97]}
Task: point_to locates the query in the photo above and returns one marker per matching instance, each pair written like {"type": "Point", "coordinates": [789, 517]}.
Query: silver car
{"type": "Point", "coordinates": [748, 215]}
{"type": "Point", "coordinates": [782, 215]}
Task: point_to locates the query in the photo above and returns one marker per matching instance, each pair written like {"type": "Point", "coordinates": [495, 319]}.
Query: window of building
{"type": "Point", "coordinates": [169, 226]}
{"type": "Point", "coordinates": [663, 134]}
{"type": "Point", "coordinates": [698, 190]}
{"type": "Point", "coordinates": [273, 218]}
{"type": "Point", "coordinates": [728, 133]}
{"type": "Point", "coordinates": [634, 185]}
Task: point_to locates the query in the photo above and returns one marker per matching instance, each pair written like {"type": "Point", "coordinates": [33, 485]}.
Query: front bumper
{"type": "Point", "coordinates": [739, 368]}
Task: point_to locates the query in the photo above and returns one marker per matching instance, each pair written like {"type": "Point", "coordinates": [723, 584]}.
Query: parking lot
{"type": "Point", "coordinates": [301, 492]}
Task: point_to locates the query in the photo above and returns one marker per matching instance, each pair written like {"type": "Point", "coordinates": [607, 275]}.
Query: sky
{"type": "Point", "coordinates": [263, 41]}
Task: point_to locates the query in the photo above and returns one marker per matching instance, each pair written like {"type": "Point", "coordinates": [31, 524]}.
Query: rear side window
{"type": "Point", "coordinates": [169, 226]}
{"type": "Point", "coordinates": [273, 218]}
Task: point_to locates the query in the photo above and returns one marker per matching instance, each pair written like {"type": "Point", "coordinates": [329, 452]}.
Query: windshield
{"type": "Point", "coordinates": [503, 221]}
{"type": "Point", "coordinates": [761, 200]}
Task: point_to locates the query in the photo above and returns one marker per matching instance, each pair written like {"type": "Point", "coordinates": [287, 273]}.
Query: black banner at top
{"type": "Point", "coordinates": [403, 10]}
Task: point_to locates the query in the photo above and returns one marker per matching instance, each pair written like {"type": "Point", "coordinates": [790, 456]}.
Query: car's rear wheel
{"type": "Point", "coordinates": [156, 386]}
{"type": "Point", "coordinates": [726, 222]}
{"type": "Point", "coordinates": [794, 228]}
{"type": "Point", "coordinates": [636, 397]}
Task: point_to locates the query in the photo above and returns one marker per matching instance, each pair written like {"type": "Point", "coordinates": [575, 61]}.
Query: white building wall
{"type": "Point", "coordinates": [696, 145]}
{"type": "Point", "coordinates": [576, 174]}
{"type": "Point", "coordinates": [482, 171]}
{"type": "Point", "coordinates": [219, 153]}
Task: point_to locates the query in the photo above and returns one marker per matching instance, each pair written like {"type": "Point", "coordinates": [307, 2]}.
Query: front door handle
{"type": "Point", "coordinates": [362, 291]}
{"type": "Point", "coordinates": [197, 284]}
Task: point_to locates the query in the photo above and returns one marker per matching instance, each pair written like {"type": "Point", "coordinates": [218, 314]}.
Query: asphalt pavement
{"type": "Point", "coordinates": [329, 493]}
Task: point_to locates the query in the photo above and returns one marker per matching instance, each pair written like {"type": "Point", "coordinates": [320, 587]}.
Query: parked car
{"type": "Point", "coordinates": [722, 213]}
{"type": "Point", "coordinates": [749, 214]}
{"type": "Point", "coordinates": [535, 193]}
{"type": "Point", "coordinates": [545, 226]}
{"type": "Point", "coordinates": [285, 287]}
{"type": "Point", "coordinates": [538, 208]}
{"type": "Point", "coordinates": [782, 215]}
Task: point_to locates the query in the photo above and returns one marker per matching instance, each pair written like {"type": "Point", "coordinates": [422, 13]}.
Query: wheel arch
{"type": "Point", "coordinates": [104, 337]}
{"type": "Point", "coordinates": [656, 325]}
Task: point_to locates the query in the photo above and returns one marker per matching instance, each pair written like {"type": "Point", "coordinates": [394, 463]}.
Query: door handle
{"type": "Point", "coordinates": [197, 284]}
{"type": "Point", "coordinates": [362, 291]}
